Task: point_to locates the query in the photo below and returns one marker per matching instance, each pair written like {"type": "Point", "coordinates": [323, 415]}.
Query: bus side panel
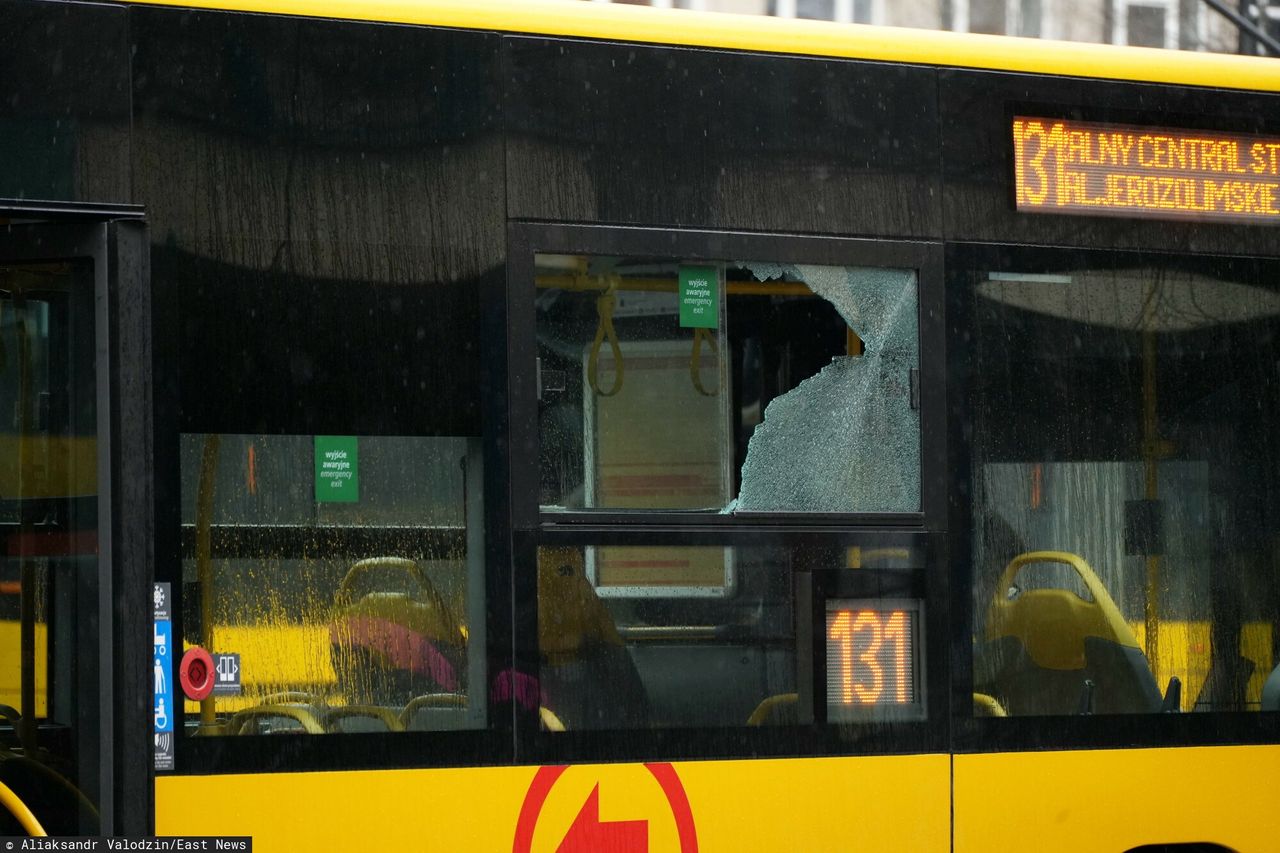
{"type": "Point", "coordinates": [654, 136]}
{"type": "Point", "coordinates": [1117, 799]}
{"type": "Point", "coordinates": [866, 803]}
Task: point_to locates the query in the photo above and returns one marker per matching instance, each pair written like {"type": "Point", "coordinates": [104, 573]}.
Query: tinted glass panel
{"type": "Point", "coordinates": [1126, 511]}
{"type": "Point", "coordinates": [344, 572]}
{"type": "Point", "coordinates": [727, 386]}
{"type": "Point", "coordinates": [750, 655]}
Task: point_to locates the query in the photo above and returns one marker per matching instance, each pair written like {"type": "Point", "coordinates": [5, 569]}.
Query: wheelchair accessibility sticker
{"type": "Point", "coordinates": [162, 676]}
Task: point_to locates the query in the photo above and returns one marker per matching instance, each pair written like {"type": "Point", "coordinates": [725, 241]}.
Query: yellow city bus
{"type": "Point", "coordinates": [563, 426]}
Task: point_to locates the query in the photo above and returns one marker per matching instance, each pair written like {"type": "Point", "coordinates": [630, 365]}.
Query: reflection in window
{"type": "Point", "coordinates": [676, 661]}
{"type": "Point", "coordinates": [344, 571]}
{"type": "Point", "coordinates": [727, 386]}
{"type": "Point", "coordinates": [1125, 509]}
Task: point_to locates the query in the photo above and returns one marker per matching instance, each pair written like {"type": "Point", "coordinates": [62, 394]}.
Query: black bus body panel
{"type": "Point", "coordinates": [710, 139]}
{"type": "Point", "coordinates": [64, 112]}
{"type": "Point", "coordinates": [329, 224]}
{"type": "Point", "coordinates": [977, 110]}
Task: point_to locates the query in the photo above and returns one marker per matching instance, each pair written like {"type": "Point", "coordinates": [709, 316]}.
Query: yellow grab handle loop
{"type": "Point", "coordinates": [19, 810]}
{"type": "Point", "coordinates": [604, 308]}
{"type": "Point", "coordinates": [700, 335]}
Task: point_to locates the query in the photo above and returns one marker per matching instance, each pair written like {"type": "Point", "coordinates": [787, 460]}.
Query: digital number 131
{"type": "Point", "coordinates": [860, 636]}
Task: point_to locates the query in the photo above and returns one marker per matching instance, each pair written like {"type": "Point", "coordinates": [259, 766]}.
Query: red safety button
{"type": "Point", "coordinates": [196, 673]}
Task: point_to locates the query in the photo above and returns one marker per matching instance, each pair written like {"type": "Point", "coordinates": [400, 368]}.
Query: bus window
{"type": "Point", "coordinates": [730, 660]}
{"type": "Point", "coordinates": [694, 385]}
{"type": "Point", "coordinates": [343, 570]}
{"type": "Point", "coordinates": [1125, 508]}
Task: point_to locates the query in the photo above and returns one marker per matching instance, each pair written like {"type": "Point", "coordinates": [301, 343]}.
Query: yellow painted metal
{"type": "Point", "coordinates": [204, 557]}
{"type": "Point", "coordinates": [275, 657]}
{"type": "Point", "coordinates": [11, 666]}
{"type": "Point", "coordinates": [1151, 479]}
{"type": "Point", "coordinates": [771, 35]}
{"type": "Point", "coordinates": [52, 466]}
{"type": "Point", "coordinates": [26, 568]}
{"type": "Point", "coordinates": [880, 803]}
{"type": "Point", "coordinates": [1112, 800]}
{"type": "Point", "coordinates": [19, 810]}
{"type": "Point", "coordinates": [1184, 652]}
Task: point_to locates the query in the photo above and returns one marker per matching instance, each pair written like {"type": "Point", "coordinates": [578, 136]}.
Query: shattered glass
{"type": "Point", "coordinates": [848, 438]}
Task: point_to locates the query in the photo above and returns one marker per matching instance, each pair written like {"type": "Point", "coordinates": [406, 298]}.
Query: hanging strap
{"type": "Point", "coordinates": [695, 373]}
{"type": "Point", "coordinates": [604, 329]}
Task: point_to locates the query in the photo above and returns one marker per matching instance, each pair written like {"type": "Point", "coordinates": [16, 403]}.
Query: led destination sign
{"type": "Point", "coordinates": [872, 657]}
{"type": "Point", "coordinates": [1145, 172]}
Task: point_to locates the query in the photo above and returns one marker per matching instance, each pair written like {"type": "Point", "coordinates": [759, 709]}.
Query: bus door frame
{"type": "Point", "coordinates": [114, 239]}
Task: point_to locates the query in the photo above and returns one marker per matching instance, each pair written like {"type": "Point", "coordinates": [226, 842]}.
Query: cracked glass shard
{"type": "Point", "coordinates": [848, 438]}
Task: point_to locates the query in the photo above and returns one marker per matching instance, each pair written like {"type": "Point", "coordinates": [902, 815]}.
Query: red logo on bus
{"type": "Point", "coordinates": [589, 834]}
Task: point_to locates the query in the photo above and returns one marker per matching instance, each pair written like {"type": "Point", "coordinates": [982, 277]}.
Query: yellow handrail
{"type": "Point", "coordinates": [204, 557]}
{"type": "Point", "coordinates": [19, 810]}
{"type": "Point", "coordinates": [666, 285]}
{"type": "Point", "coordinates": [608, 287]}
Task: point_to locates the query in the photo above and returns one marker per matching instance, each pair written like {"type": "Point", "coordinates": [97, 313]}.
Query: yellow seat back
{"type": "Point", "coordinates": [1052, 624]}
{"type": "Point", "coordinates": [1052, 651]}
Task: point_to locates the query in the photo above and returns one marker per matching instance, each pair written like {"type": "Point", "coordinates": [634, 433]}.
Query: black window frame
{"type": "Point", "coordinates": [524, 240]}
{"type": "Point", "coordinates": [533, 528]}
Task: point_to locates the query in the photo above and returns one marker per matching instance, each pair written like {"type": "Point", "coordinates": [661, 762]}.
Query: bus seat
{"type": "Point", "coordinates": [435, 712]}
{"type": "Point", "coordinates": [277, 719]}
{"type": "Point", "coordinates": [987, 706]}
{"type": "Point", "coordinates": [588, 678]}
{"type": "Point", "coordinates": [389, 645]}
{"type": "Point", "coordinates": [779, 710]}
{"type": "Point", "coordinates": [349, 719]}
{"type": "Point", "coordinates": [1271, 691]}
{"type": "Point", "coordinates": [1046, 649]}
{"type": "Point", "coordinates": [548, 721]}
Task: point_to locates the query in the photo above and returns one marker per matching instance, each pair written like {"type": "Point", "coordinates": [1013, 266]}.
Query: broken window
{"type": "Point", "coordinates": [668, 384]}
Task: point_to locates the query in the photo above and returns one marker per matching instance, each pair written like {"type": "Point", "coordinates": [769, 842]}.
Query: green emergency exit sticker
{"type": "Point", "coordinates": [337, 469]}
{"type": "Point", "coordinates": [699, 297]}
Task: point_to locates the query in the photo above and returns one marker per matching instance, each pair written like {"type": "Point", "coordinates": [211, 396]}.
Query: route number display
{"type": "Point", "coordinates": [872, 657]}
{"type": "Point", "coordinates": [1145, 172]}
